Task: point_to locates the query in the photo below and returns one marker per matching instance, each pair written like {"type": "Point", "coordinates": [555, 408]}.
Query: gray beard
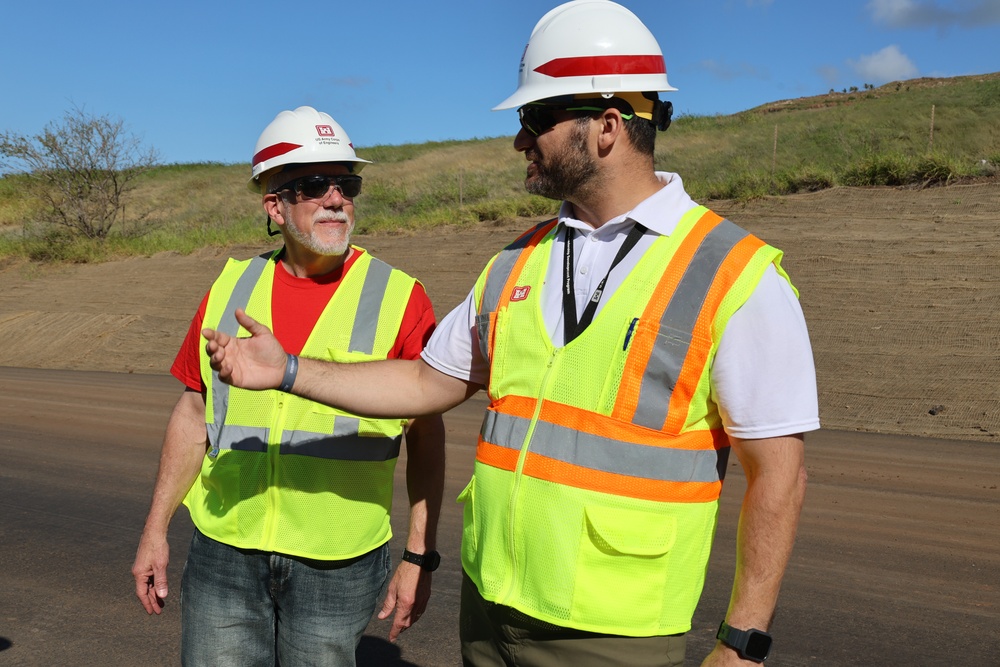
{"type": "Point", "coordinates": [311, 243]}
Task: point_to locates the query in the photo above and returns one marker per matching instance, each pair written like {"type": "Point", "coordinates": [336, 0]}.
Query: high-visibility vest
{"type": "Point", "coordinates": [285, 474]}
{"type": "Point", "coordinates": [594, 497]}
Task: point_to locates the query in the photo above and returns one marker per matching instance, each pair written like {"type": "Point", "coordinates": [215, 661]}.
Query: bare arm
{"type": "Point", "coordinates": [776, 484]}
{"type": "Point", "coordinates": [410, 588]}
{"type": "Point", "coordinates": [394, 388]}
{"type": "Point", "coordinates": [180, 461]}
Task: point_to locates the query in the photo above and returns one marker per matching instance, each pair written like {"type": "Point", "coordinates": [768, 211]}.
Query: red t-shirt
{"type": "Point", "coordinates": [296, 304]}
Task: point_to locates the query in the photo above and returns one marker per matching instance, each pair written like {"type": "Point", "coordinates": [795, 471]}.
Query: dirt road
{"type": "Point", "coordinates": [897, 560]}
{"type": "Point", "coordinates": [901, 290]}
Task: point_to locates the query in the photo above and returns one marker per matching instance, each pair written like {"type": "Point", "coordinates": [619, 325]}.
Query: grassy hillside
{"type": "Point", "coordinates": [876, 136]}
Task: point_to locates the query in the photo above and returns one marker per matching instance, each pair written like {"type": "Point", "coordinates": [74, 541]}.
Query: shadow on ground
{"type": "Point", "coordinates": [377, 651]}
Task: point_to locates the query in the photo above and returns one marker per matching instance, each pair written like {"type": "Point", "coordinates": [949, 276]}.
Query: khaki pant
{"type": "Point", "coordinates": [497, 636]}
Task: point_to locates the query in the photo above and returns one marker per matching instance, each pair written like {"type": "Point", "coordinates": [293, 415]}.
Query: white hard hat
{"type": "Point", "coordinates": [302, 136]}
{"type": "Point", "coordinates": [588, 46]}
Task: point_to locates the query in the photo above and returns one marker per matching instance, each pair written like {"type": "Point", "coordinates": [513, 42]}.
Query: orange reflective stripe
{"type": "Point", "coordinates": [642, 346]}
{"type": "Point", "coordinates": [701, 340]}
{"type": "Point", "coordinates": [504, 458]}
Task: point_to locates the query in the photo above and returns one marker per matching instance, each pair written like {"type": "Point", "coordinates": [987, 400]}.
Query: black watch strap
{"type": "Point", "coordinates": [752, 644]}
{"type": "Point", "coordinates": [428, 561]}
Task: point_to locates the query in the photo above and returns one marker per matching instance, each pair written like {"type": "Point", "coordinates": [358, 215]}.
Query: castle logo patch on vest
{"type": "Point", "coordinates": [520, 293]}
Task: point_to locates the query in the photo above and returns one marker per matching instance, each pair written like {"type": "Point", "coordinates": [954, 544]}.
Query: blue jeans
{"type": "Point", "coordinates": [245, 608]}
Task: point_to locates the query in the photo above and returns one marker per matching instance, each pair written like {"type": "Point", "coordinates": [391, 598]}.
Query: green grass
{"type": "Point", "coordinates": [878, 137]}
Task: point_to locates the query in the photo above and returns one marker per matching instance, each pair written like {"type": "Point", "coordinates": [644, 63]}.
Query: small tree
{"type": "Point", "coordinates": [80, 170]}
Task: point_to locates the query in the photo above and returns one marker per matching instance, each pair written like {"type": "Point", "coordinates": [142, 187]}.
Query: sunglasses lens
{"type": "Point", "coordinates": [349, 185]}
{"type": "Point", "coordinates": [534, 120]}
{"type": "Point", "coordinates": [316, 187]}
{"type": "Point", "coordinates": [313, 187]}
{"type": "Point", "coordinates": [537, 119]}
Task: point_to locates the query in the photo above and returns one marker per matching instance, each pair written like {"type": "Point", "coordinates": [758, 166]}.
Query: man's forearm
{"type": "Point", "coordinates": [393, 388]}
{"type": "Point", "coordinates": [180, 460]}
{"type": "Point", "coordinates": [776, 482]}
{"type": "Point", "coordinates": [425, 469]}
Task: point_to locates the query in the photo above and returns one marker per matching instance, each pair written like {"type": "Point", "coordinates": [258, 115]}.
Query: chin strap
{"type": "Point", "coordinates": [271, 232]}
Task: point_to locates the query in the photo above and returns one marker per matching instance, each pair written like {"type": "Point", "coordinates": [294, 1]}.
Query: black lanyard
{"type": "Point", "coordinates": [571, 327]}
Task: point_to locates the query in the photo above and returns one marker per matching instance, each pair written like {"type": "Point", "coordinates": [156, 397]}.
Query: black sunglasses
{"type": "Point", "coordinates": [538, 118]}
{"type": "Point", "coordinates": [317, 186]}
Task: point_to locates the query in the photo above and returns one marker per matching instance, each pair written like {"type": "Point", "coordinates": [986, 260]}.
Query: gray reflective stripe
{"type": "Point", "coordinates": [499, 273]}
{"type": "Point", "coordinates": [677, 324]}
{"type": "Point", "coordinates": [604, 454]}
{"type": "Point", "coordinates": [369, 307]}
{"type": "Point", "coordinates": [501, 269]}
{"type": "Point", "coordinates": [345, 443]}
{"type": "Point", "coordinates": [483, 333]}
{"type": "Point", "coordinates": [246, 438]}
{"type": "Point", "coordinates": [228, 324]}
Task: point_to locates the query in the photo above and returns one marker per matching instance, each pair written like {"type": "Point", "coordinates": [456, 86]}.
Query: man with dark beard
{"type": "Point", "coordinates": [627, 347]}
{"type": "Point", "coordinates": [291, 499]}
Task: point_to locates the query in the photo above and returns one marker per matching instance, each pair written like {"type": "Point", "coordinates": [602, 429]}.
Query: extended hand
{"type": "Point", "coordinates": [257, 362]}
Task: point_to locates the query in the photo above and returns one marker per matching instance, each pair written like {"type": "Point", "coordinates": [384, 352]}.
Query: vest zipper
{"type": "Point", "coordinates": [274, 462]}
{"type": "Point", "coordinates": [525, 446]}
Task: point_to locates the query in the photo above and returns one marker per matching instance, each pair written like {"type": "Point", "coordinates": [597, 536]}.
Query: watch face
{"type": "Point", "coordinates": [758, 645]}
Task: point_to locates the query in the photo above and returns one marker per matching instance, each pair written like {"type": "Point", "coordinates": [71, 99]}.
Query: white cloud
{"type": "Point", "coordinates": [889, 64]}
{"type": "Point", "coordinates": [935, 13]}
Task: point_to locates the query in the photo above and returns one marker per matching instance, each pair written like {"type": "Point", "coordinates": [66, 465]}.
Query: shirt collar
{"type": "Point", "coordinates": [660, 212]}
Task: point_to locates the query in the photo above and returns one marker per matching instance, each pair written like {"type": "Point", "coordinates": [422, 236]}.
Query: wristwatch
{"type": "Point", "coordinates": [428, 561]}
{"type": "Point", "coordinates": [752, 644]}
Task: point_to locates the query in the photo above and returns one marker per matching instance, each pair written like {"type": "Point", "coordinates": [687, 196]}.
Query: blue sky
{"type": "Point", "coordinates": [199, 80]}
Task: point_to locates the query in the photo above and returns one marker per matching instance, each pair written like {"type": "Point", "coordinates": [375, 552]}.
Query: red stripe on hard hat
{"type": "Point", "coordinates": [274, 150]}
{"type": "Point", "coordinates": [597, 65]}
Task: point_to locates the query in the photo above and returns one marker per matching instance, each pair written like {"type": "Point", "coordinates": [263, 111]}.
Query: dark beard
{"type": "Point", "coordinates": [563, 175]}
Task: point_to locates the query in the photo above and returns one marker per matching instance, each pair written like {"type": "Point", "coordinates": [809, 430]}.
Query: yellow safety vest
{"type": "Point", "coordinates": [594, 497]}
{"type": "Point", "coordinates": [285, 474]}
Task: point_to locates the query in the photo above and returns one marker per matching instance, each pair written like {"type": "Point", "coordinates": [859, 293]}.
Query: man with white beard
{"type": "Point", "coordinates": [291, 499]}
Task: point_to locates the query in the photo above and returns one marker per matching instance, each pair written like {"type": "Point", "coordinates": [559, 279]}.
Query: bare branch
{"type": "Point", "coordinates": [81, 169]}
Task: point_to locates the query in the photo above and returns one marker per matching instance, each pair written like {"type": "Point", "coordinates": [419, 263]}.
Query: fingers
{"type": "Point", "coordinates": [250, 324]}
{"type": "Point", "coordinates": [151, 591]}
{"type": "Point", "coordinates": [142, 592]}
{"type": "Point", "coordinates": [406, 599]}
{"type": "Point", "coordinates": [388, 604]}
{"type": "Point", "coordinates": [160, 581]}
{"type": "Point", "coordinates": [401, 621]}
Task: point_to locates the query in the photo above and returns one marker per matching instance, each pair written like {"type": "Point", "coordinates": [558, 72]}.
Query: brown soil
{"type": "Point", "coordinates": [901, 290]}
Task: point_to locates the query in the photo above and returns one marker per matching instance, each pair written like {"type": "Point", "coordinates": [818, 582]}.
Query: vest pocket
{"type": "Point", "coordinates": [622, 566]}
{"type": "Point", "coordinates": [470, 548]}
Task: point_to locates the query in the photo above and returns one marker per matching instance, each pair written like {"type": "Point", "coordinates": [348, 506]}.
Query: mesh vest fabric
{"type": "Point", "coordinates": [594, 498]}
{"type": "Point", "coordinates": [285, 474]}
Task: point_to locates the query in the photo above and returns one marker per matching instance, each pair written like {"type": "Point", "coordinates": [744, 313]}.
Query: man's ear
{"type": "Point", "coordinates": [273, 208]}
{"type": "Point", "coordinates": [611, 127]}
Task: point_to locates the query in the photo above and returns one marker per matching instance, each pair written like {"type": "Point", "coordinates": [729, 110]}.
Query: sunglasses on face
{"type": "Point", "coordinates": [536, 119]}
{"type": "Point", "coordinates": [317, 186]}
